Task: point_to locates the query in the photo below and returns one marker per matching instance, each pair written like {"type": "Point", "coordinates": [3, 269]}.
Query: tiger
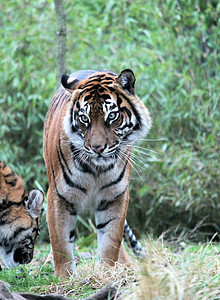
{"type": "Point", "coordinates": [19, 218]}
{"type": "Point", "coordinates": [92, 121]}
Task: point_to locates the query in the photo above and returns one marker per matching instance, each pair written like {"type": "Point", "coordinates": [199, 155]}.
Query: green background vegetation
{"type": "Point", "coordinates": [173, 53]}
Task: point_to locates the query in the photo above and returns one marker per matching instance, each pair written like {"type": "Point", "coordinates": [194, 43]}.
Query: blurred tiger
{"type": "Point", "coordinates": [92, 122]}
{"type": "Point", "coordinates": [19, 218]}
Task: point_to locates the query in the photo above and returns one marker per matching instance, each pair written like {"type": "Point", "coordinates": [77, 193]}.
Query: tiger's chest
{"type": "Point", "coordinates": [88, 189]}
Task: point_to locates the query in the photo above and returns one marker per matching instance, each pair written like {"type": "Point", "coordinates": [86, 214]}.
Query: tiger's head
{"type": "Point", "coordinates": [19, 218]}
{"type": "Point", "coordinates": [106, 117]}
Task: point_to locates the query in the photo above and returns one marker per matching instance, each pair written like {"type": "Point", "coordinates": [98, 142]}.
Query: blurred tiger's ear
{"type": "Point", "coordinates": [69, 83]}
{"type": "Point", "coordinates": [34, 203]}
{"type": "Point", "coordinates": [127, 80]}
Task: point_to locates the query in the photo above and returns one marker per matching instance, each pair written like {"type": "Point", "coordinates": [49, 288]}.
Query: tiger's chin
{"type": "Point", "coordinates": [103, 161]}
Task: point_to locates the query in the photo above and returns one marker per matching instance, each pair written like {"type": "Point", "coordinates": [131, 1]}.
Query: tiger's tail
{"type": "Point", "coordinates": [133, 243]}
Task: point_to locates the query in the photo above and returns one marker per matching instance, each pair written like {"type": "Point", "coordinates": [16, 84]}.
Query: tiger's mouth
{"type": "Point", "coordinates": [101, 160]}
{"type": "Point", "coordinates": [101, 155]}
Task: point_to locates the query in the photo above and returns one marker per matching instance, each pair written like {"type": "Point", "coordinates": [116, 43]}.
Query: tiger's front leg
{"type": "Point", "coordinates": [61, 223]}
{"type": "Point", "coordinates": [110, 218]}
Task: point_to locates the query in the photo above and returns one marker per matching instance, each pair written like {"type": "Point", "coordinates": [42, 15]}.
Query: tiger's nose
{"type": "Point", "coordinates": [98, 148]}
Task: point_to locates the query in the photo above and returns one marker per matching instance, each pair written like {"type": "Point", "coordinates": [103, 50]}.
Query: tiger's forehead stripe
{"type": "Point", "coordinates": [94, 88]}
{"type": "Point", "coordinates": [94, 92]}
{"type": "Point", "coordinates": [99, 78]}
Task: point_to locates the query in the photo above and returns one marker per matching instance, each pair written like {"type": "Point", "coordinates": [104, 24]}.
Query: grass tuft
{"type": "Point", "coordinates": [193, 273]}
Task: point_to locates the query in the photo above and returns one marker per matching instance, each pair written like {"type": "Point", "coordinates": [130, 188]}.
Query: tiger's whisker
{"type": "Point", "coordinates": [134, 167]}
{"type": "Point", "coordinates": [143, 148]}
{"type": "Point", "coordinates": [134, 164]}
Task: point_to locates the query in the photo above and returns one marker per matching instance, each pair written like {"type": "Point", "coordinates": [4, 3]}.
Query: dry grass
{"type": "Point", "coordinates": [189, 274]}
{"type": "Point", "coordinates": [91, 277]}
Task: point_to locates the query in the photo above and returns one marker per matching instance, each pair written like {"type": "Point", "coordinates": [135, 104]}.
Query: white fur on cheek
{"type": "Point", "coordinates": [74, 138]}
{"type": "Point", "coordinates": [8, 259]}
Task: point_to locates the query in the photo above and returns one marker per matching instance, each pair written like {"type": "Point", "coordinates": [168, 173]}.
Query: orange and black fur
{"type": "Point", "coordinates": [92, 122]}
{"type": "Point", "coordinates": [19, 218]}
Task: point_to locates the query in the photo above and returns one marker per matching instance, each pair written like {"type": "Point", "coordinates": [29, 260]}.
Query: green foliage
{"type": "Point", "coordinates": [27, 83]}
{"type": "Point", "coordinates": [38, 277]}
{"type": "Point", "coordinates": [23, 279]}
{"type": "Point", "coordinates": [173, 53]}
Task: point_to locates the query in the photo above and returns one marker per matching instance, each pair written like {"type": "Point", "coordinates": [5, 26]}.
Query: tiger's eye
{"type": "Point", "coordinates": [84, 119]}
{"type": "Point", "coordinates": [112, 116]}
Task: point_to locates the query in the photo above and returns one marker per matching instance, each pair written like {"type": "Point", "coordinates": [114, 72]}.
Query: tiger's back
{"type": "Point", "coordinates": [19, 218]}
{"type": "Point", "coordinates": [90, 126]}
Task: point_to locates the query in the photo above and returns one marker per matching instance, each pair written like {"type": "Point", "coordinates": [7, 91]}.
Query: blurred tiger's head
{"type": "Point", "coordinates": [19, 218]}
{"type": "Point", "coordinates": [106, 115]}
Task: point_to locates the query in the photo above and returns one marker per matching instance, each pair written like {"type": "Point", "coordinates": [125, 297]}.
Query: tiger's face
{"type": "Point", "coordinates": [19, 218]}
{"type": "Point", "coordinates": [105, 117]}
{"type": "Point", "coordinates": [19, 227]}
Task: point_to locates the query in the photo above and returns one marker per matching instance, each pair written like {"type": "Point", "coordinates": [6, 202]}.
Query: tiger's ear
{"type": "Point", "coordinates": [127, 80]}
{"type": "Point", "coordinates": [69, 83]}
{"type": "Point", "coordinates": [34, 203]}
